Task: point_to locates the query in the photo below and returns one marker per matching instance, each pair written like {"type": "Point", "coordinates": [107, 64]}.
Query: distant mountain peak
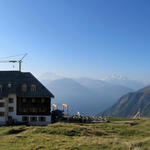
{"type": "Point", "coordinates": [125, 81]}
{"type": "Point", "coordinates": [115, 77]}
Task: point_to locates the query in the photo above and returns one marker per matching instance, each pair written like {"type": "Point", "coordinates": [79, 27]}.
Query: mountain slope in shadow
{"type": "Point", "coordinates": [129, 104]}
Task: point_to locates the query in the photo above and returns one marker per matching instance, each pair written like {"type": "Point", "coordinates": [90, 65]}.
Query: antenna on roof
{"type": "Point", "coordinates": [15, 61]}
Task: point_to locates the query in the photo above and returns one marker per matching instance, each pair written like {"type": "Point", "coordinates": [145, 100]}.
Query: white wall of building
{"type": "Point", "coordinates": [48, 119]}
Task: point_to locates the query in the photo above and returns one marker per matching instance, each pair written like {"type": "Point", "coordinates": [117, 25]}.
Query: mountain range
{"type": "Point", "coordinates": [88, 96]}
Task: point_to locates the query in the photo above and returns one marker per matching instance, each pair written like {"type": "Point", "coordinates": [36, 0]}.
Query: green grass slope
{"type": "Point", "coordinates": [120, 134]}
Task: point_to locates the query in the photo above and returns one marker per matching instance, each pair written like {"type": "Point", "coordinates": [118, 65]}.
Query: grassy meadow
{"type": "Point", "coordinates": [119, 134]}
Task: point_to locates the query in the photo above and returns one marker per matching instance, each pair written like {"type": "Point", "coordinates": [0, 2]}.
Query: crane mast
{"type": "Point", "coordinates": [20, 61]}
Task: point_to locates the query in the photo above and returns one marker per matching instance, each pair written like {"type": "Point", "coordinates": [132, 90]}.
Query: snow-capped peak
{"type": "Point", "coordinates": [114, 77]}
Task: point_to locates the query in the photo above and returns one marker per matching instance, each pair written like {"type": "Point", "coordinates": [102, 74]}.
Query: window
{"type": "Point", "coordinates": [25, 119]}
{"type": "Point", "coordinates": [42, 100]}
{"type": "Point", "coordinates": [33, 119]}
{"type": "Point", "coordinates": [9, 85]}
{"type": "Point", "coordinates": [33, 87]}
{"type": "Point", "coordinates": [1, 88]}
{"type": "Point", "coordinates": [2, 113]}
{"type": "Point", "coordinates": [24, 100]}
{"type": "Point", "coordinates": [2, 104]}
{"type": "Point", "coordinates": [24, 87]}
{"type": "Point", "coordinates": [10, 109]}
{"type": "Point", "coordinates": [10, 118]}
{"type": "Point", "coordinates": [42, 119]}
{"type": "Point", "coordinates": [34, 110]}
{"type": "Point", "coordinates": [11, 100]}
{"type": "Point", "coordinates": [40, 109]}
{"type": "Point", "coordinates": [25, 110]}
{"type": "Point", "coordinates": [33, 100]}
{"type": "Point", "coordinates": [30, 110]}
{"type": "Point", "coordinates": [44, 109]}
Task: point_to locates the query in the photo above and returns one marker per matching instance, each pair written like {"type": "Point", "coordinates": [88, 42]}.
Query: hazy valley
{"type": "Point", "coordinates": [89, 96]}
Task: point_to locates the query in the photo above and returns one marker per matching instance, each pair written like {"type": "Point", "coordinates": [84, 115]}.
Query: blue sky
{"type": "Point", "coordinates": [93, 38]}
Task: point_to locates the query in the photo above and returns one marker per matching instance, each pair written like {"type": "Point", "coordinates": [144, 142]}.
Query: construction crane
{"type": "Point", "coordinates": [15, 61]}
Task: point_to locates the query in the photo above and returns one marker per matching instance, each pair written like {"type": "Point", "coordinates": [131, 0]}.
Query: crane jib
{"type": "Point", "coordinates": [15, 61]}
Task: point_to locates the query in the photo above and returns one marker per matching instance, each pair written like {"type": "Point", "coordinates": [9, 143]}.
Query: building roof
{"type": "Point", "coordinates": [16, 80]}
